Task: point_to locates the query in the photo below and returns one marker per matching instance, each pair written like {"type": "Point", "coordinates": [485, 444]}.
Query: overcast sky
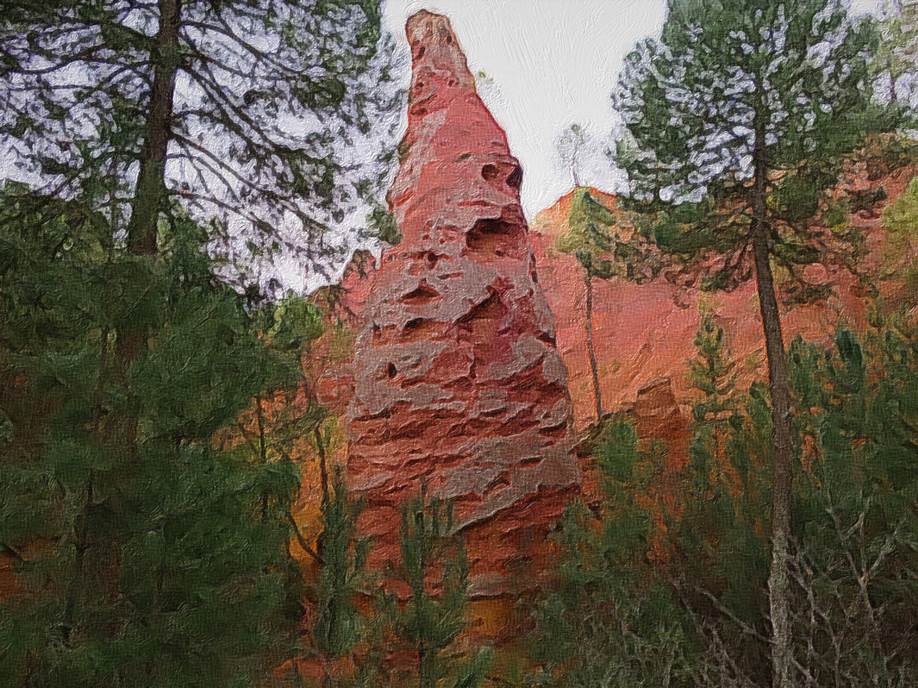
{"type": "Point", "coordinates": [549, 63]}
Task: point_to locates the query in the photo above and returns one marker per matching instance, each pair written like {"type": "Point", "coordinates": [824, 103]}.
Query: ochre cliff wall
{"type": "Point", "coordinates": [456, 379]}
{"type": "Point", "coordinates": [644, 332]}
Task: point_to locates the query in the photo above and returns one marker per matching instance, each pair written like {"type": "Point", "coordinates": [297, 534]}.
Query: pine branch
{"type": "Point", "coordinates": [301, 540]}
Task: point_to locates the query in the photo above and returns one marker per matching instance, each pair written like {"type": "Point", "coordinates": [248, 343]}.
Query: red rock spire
{"type": "Point", "coordinates": [458, 383]}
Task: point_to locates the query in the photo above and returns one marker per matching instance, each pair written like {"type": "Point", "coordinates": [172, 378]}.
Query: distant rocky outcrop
{"type": "Point", "coordinates": [457, 383]}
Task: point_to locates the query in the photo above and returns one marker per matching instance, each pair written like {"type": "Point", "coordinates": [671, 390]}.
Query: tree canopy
{"type": "Point", "coordinates": [245, 110]}
{"type": "Point", "coordinates": [159, 561]}
{"type": "Point", "coordinates": [737, 120]}
{"type": "Point", "coordinates": [730, 86]}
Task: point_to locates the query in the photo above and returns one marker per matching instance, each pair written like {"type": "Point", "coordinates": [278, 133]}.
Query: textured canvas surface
{"type": "Point", "coordinates": [458, 343]}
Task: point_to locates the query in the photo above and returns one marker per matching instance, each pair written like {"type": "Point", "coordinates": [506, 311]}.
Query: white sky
{"type": "Point", "coordinates": [551, 63]}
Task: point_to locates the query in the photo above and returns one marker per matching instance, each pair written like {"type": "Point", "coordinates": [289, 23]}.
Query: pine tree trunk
{"type": "Point", "coordinates": [150, 191]}
{"type": "Point", "coordinates": [75, 586]}
{"type": "Point", "coordinates": [426, 667]}
{"type": "Point", "coordinates": [782, 462]}
{"type": "Point", "coordinates": [892, 84]}
{"type": "Point", "coordinates": [262, 448]}
{"type": "Point", "coordinates": [323, 466]}
{"type": "Point", "coordinates": [591, 349]}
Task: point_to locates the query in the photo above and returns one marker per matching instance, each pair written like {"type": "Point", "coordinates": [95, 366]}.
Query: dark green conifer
{"type": "Point", "coordinates": [435, 570]}
{"type": "Point", "coordinates": [152, 562]}
{"type": "Point", "coordinates": [713, 375]}
{"type": "Point", "coordinates": [737, 118]}
{"type": "Point", "coordinates": [339, 624]}
{"type": "Point", "coordinates": [716, 537]}
{"type": "Point", "coordinates": [611, 620]}
{"type": "Point", "coordinates": [856, 563]}
{"type": "Point", "coordinates": [253, 103]}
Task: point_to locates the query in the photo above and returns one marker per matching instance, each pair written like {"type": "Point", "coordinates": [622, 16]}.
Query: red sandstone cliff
{"type": "Point", "coordinates": [645, 332]}
{"type": "Point", "coordinates": [460, 295]}
{"type": "Point", "coordinates": [457, 381]}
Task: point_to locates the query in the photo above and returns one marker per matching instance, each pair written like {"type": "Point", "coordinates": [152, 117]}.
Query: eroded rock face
{"type": "Point", "coordinates": [457, 381]}
{"type": "Point", "coordinates": [646, 331]}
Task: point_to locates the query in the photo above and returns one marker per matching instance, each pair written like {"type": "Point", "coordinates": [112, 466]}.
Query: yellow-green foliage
{"type": "Point", "coordinates": [836, 217]}
{"type": "Point", "coordinates": [901, 217]}
{"type": "Point", "coordinates": [296, 321]}
{"type": "Point", "coordinates": [901, 220]}
{"type": "Point", "coordinates": [341, 346]}
{"type": "Point", "coordinates": [588, 222]}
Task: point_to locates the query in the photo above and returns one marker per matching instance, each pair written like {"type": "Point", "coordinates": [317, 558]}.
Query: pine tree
{"type": "Point", "coordinates": [610, 620]}
{"type": "Point", "coordinates": [614, 619]}
{"type": "Point", "coordinates": [242, 109]}
{"type": "Point", "coordinates": [587, 237]}
{"type": "Point", "coordinates": [603, 252]}
{"type": "Point", "coordinates": [435, 570]}
{"type": "Point", "coordinates": [736, 119]}
{"type": "Point", "coordinates": [712, 373]}
{"type": "Point", "coordinates": [716, 537]}
{"type": "Point", "coordinates": [856, 560]}
{"type": "Point", "coordinates": [151, 563]}
{"type": "Point", "coordinates": [126, 350]}
{"type": "Point", "coordinates": [281, 417]}
{"type": "Point", "coordinates": [337, 627]}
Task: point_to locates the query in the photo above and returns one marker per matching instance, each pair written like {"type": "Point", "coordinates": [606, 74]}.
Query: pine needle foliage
{"type": "Point", "coordinates": [150, 561]}
{"type": "Point", "coordinates": [435, 570]}
{"type": "Point", "coordinates": [247, 110]}
{"type": "Point", "coordinates": [603, 248]}
{"type": "Point", "coordinates": [611, 621]}
{"type": "Point", "coordinates": [702, 618]}
{"type": "Point", "coordinates": [720, 549]}
{"type": "Point", "coordinates": [857, 505]}
{"type": "Point", "coordinates": [737, 120]}
{"type": "Point", "coordinates": [729, 86]}
{"type": "Point", "coordinates": [898, 51]}
{"type": "Point", "coordinates": [338, 625]}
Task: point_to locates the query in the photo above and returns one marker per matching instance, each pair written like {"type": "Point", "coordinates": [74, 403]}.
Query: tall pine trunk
{"type": "Point", "coordinates": [141, 241]}
{"type": "Point", "coordinates": [262, 447]}
{"type": "Point", "coordinates": [782, 461]}
{"type": "Point", "coordinates": [892, 83]}
{"type": "Point", "coordinates": [591, 349]}
{"type": "Point", "coordinates": [150, 192]}
{"type": "Point", "coordinates": [323, 465]}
